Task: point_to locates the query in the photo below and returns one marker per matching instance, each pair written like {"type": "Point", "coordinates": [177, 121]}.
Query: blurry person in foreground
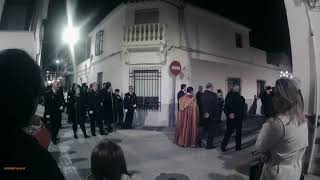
{"type": "Point", "coordinates": [22, 157]}
{"type": "Point", "coordinates": [284, 137]}
{"type": "Point", "coordinates": [108, 162]}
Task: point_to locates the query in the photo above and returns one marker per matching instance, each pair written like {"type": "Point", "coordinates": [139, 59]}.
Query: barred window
{"type": "Point", "coordinates": [147, 86]}
{"type": "Point", "coordinates": [99, 43]}
{"type": "Point", "coordinates": [238, 38]}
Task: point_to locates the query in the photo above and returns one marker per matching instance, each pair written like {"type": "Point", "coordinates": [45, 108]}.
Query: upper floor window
{"type": "Point", "coordinates": [99, 43]}
{"type": "Point", "coordinates": [88, 48]}
{"type": "Point", "coordinates": [146, 16]}
{"type": "Point", "coordinates": [17, 15]}
{"type": "Point", "coordinates": [239, 43]}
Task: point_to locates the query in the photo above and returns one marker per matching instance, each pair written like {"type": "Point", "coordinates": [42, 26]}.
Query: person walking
{"type": "Point", "coordinates": [234, 110]}
{"type": "Point", "coordinates": [118, 102]}
{"type": "Point", "coordinates": [76, 110]}
{"type": "Point", "coordinates": [187, 120]}
{"type": "Point", "coordinates": [284, 136]}
{"type": "Point", "coordinates": [210, 114]}
{"type": "Point", "coordinates": [94, 104]}
{"type": "Point", "coordinates": [130, 104]}
{"type": "Point", "coordinates": [108, 106]}
{"type": "Point", "coordinates": [53, 108]}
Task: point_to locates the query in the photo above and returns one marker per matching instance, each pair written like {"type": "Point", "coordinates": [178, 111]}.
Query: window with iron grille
{"type": "Point", "coordinates": [261, 84]}
{"type": "Point", "coordinates": [239, 43]}
{"type": "Point", "coordinates": [146, 82]}
{"type": "Point", "coordinates": [88, 48]}
{"type": "Point", "coordinates": [99, 43]}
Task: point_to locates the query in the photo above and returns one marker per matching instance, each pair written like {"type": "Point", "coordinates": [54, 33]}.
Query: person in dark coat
{"type": "Point", "coordinates": [53, 109]}
{"type": "Point", "coordinates": [210, 114]}
{"type": "Point", "coordinates": [182, 92]}
{"type": "Point", "coordinates": [234, 110]}
{"type": "Point", "coordinates": [108, 106]}
{"type": "Point", "coordinates": [199, 97]}
{"type": "Point", "coordinates": [130, 104]}
{"type": "Point", "coordinates": [76, 104]}
{"type": "Point", "coordinates": [94, 104]}
{"type": "Point", "coordinates": [267, 102]}
{"type": "Point", "coordinates": [19, 98]}
{"type": "Point", "coordinates": [253, 108]}
{"type": "Point", "coordinates": [220, 104]}
{"type": "Point", "coordinates": [118, 108]}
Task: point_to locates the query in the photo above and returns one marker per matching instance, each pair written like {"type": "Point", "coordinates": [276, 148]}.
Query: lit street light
{"type": "Point", "coordinates": [70, 35]}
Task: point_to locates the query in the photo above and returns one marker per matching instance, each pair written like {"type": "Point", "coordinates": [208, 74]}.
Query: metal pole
{"type": "Point", "coordinates": [174, 102]}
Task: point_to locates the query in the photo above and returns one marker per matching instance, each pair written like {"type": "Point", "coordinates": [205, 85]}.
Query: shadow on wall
{"type": "Point", "coordinates": [215, 176]}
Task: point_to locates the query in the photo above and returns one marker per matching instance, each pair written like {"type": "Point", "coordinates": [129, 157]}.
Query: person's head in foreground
{"type": "Point", "coordinates": [117, 92]}
{"type": "Point", "coordinates": [108, 162]}
{"type": "Point", "coordinates": [183, 87]}
{"type": "Point", "coordinates": [209, 86]}
{"type": "Point", "coordinates": [131, 89]}
{"type": "Point", "coordinates": [19, 97]}
{"type": "Point", "coordinates": [200, 89]}
{"type": "Point", "coordinates": [287, 100]}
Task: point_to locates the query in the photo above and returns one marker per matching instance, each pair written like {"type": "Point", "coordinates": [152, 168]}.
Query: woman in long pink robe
{"type": "Point", "coordinates": [187, 121]}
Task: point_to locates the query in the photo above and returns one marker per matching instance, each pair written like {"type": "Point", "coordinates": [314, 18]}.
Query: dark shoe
{"type": "Point", "coordinates": [223, 149]}
{"type": "Point", "coordinates": [103, 133]}
{"type": "Point", "coordinates": [75, 136]}
{"type": "Point", "coordinates": [86, 136]}
{"type": "Point", "coordinates": [238, 149]}
{"type": "Point", "coordinates": [110, 130]}
{"type": "Point", "coordinates": [94, 135]}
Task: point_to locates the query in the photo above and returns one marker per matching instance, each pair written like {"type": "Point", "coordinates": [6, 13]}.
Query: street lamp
{"type": "Point", "coordinates": [70, 35]}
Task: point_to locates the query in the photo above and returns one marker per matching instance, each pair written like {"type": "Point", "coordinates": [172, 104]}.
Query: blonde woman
{"type": "Point", "coordinates": [284, 137]}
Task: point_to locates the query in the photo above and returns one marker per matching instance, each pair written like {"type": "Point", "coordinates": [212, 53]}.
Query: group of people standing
{"type": "Point", "coordinates": [198, 116]}
{"type": "Point", "coordinates": [103, 107]}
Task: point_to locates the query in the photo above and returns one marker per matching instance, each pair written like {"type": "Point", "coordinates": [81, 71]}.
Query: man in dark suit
{"type": "Point", "coordinates": [130, 104]}
{"type": "Point", "coordinates": [234, 110]}
{"type": "Point", "coordinates": [53, 108]}
{"type": "Point", "coordinates": [108, 105]}
{"type": "Point", "coordinates": [118, 108]}
{"type": "Point", "coordinates": [209, 119]}
{"type": "Point", "coordinates": [94, 104]}
{"type": "Point", "coordinates": [182, 92]}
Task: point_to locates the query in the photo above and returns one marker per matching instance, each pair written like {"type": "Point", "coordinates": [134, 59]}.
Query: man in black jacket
{"type": "Point", "coordinates": [94, 104]}
{"type": "Point", "coordinates": [234, 110]}
{"type": "Point", "coordinates": [108, 105]}
{"type": "Point", "coordinates": [209, 113]}
{"type": "Point", "coordinates": [182, 92]}
{"type": "Point", "coordinates": [130, 104]}
{"type": "Point", "coordinates": [118, 102]}
{"type": "Point", "coordinates": [53, 103]}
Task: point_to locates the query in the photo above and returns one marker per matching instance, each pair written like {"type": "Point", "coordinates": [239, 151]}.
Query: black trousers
{"type": "Point", "coordinates": [233, 125]}
{"type": "Point", "coordinates": [208, 129]}
{"type": "Point", "coordinates": [55, 125]}
{"type": "Point", "coordinates": [129, 119]}
{"type": "Point", "coordinates": [76, 119]}
{"type": "Point", "coordinates": [108, 119]}
{"type": "Point", "coordinates": [95, 119]}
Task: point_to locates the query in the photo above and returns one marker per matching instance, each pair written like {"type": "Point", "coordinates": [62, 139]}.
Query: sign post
{"type": "Point", "coordinates": [175, 69]}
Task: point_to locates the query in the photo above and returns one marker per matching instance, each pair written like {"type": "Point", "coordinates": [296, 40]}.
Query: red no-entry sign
{"type": "Point", "coordinates": [175, 68]}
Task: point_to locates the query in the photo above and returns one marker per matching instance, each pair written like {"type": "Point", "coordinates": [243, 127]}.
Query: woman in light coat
{"type": "Point", "coordinates": [284, 137]}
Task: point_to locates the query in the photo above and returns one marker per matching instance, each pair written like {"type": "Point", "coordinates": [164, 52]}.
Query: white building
{"type": "Point", "coordinates": [21, 25]}
{"type": "Point", "coordinates": [137, 41]}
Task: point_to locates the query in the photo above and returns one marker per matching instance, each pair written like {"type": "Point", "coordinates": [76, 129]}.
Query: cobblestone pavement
{"type": "Point", "coordinates": [150, 152]}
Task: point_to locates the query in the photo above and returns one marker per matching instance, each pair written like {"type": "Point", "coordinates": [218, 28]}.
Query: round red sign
{"type": "Point", "coordinates": [175, 68]}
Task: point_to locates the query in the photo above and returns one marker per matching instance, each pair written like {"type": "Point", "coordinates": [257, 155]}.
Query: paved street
{"type": "Point", "coordinates": [150, 152]}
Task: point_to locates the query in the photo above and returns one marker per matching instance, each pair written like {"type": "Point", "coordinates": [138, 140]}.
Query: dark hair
{"type": "Point", "coordinates": [117, 90]}
{"type": "Point", "coordinates": [22, 77]}
{"type": "Point", "coordinates": [189, 89]}
{"type": "Point", "coordinates": [108, 161]}
{"type": "Point", "coordinates": [219, 91]}
{"type": "Point", "coordinates": [209, 85]}
{"type": "Point", "coordinates": [288, 99]}
{"type": "Point", "coordinates": [183, 86]}
{"type": "Point", "coordinates": [268, 88]}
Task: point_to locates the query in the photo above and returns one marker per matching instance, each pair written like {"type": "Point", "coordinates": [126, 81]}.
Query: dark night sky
{"type": "Point", "coordinates": [267, 19]}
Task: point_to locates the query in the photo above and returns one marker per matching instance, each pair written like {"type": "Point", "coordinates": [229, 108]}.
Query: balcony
{"type": "Point", "coordinates": [144, 34]}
